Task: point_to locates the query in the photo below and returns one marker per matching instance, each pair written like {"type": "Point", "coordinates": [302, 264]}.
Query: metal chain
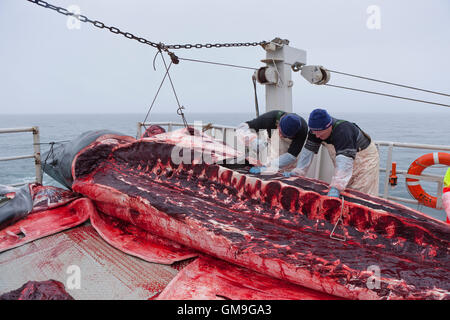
{"type": "Point", "coordinates": [159, 46]}
{"type": "Point", "coordinates": [101, 25]}
{"type": "Point", "coordinates": [216, 45]}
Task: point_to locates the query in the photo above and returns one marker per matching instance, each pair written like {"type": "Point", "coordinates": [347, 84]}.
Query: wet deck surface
{"type": "Point", "coordinates": [105, 272]}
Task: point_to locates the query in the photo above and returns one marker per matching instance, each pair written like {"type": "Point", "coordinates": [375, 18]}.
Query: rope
{"type": "Point", "coordinates": [388, 95]}
{"type": "Point", "coordinates": [156, 95]}
{"type": "Point", "coordinates": [387, 82]}
{"type": "Point", "coordinates": [51, 143]}
{"type": "Point", "coordinates": [50, 152]}
{"type": "Point", "coordinates": [256, 96]}
{"type": "Point", "coordinates": [180, 107]}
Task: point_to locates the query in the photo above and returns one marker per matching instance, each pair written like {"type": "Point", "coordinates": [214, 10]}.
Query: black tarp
{"type": "Point", "coordinates": [57, 162]}
{"type": "Point", "coordinates": [15, 204]}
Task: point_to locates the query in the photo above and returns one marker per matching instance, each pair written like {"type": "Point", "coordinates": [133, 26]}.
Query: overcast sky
{"type": "Point", "coordinates": [47, 67]}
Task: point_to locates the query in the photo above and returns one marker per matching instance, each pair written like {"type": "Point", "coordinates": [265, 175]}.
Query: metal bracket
{"type": "Point", "coordinates": [332, 236]}
{"type": "Point", "coordinates": [315, 74]}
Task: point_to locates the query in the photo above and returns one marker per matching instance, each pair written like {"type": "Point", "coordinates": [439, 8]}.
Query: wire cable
{"type": "Point", "coordinates": [218, 63]}
{"type": "Point", "coordinates": [388, 95]}
{"type": "Point", "coordinates": [388, 82]}
{"type": "Point", "coordinates": [156, 95]}
{"type": "Point", "coordinates": [180, 107]}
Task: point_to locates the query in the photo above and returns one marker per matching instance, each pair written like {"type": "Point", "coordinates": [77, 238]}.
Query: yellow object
{"type": "Point", "coordinates": [447, 179]}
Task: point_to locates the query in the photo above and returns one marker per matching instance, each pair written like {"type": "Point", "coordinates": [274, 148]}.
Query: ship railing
{"type": "Point", "coordinates": [423, 177]}
{"type": "Point", "coordinates": [226, 133]}
{"type": "Point", "coordinates": [36, 155]}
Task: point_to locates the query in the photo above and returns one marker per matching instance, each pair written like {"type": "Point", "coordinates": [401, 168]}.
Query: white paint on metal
{"type": "Point", "coordinates": [281, 56]}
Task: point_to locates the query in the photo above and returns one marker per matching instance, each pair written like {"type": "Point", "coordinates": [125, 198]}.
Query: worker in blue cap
{"type": "Point", "coordinates": [352, 151]}
{"type": "Point", "coordinates": [287, 133]}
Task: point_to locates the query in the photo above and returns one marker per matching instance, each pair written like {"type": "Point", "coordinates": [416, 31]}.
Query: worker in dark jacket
{"type": "Point", "coordinates": [286, 133]}
{"type": "Point", "coordinates": [354, 155]}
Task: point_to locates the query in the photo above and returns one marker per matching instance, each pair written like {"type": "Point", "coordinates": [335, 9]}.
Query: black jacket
{"type": "Point", "coordinates": [269, 121]}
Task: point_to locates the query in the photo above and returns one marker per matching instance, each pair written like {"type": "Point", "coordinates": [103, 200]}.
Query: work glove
{"type": "Point", "coordinates": [333, 192]}
{"type": "Point", "coordinates": [296, 172]}
{"type": "Point", "coordinates": [256, 170]}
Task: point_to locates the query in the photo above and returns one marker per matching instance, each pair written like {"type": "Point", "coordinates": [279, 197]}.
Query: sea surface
{"type": "Point", "coordinates": [419, 128]}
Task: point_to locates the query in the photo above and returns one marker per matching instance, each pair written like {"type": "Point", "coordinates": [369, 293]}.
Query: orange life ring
{"type": "Point", "coordinates": [416, 168]}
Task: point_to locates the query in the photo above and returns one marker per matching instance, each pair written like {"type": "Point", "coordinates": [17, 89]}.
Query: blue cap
{"type": "Point", "coordinates": [319, 120]}
{"type": "Point", "coordinates": [290, 124]}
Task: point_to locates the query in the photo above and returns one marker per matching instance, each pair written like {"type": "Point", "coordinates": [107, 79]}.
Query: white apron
{"type": "Point", "coordinates": [366, 166]}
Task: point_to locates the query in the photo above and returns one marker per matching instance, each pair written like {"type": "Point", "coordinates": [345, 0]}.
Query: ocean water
{"type": "Point", "coordinates": [420, 128]}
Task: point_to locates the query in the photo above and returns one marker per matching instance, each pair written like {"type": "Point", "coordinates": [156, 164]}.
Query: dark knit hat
{"type": "Point", "coordinates": [319, 120]}
{"type": "Point", "coordinates": [290, 124]}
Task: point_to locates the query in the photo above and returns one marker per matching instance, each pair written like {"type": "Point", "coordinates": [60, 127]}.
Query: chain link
{"type": "Point", "coordinates": [100, 25]}
{"type": "Point", "coordinates": [216, 45]}
{"type": "Point", "coordinates": [128, 35]}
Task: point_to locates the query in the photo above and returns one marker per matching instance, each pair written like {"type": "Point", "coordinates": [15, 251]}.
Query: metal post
{"type": "Point", "coordinates": [37, 154]}
{"type": "Point", "coordinates": [281, 57]}
{"type": "Point", "coordinates": [388, 166]}
{"type": "Point", "coordinates": [139, 130]}
{"type": "Point", "coordinates": [440, 187]}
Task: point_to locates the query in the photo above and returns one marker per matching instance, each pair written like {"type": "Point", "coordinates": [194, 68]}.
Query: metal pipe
{"type": "Point", "coordinates": [403, 200]}
{"type": "Point", "coordinates": [425, 177]}
{"type": "Point", "coordinates": [440, 187]}
{"type": "Point", "coordinates": [37, 154]}
{"type": "Point", "coordinates": [388, 165]}
{"type": "Point", "coordinates": [139, 130]}
{"type": "Point", "coordinates": [14, 130]}
{"type": "Point", "coordinates": [413, 145]}
{"type": "Point", "coordinates": [32, 156]}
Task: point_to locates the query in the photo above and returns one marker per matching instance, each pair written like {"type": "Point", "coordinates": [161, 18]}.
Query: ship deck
{"type": "Point", "coordinates": [104, 272]}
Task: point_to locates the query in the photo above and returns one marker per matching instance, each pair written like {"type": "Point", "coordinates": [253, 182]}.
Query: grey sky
{"type": "Point", "coordinates": [45, 67]}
